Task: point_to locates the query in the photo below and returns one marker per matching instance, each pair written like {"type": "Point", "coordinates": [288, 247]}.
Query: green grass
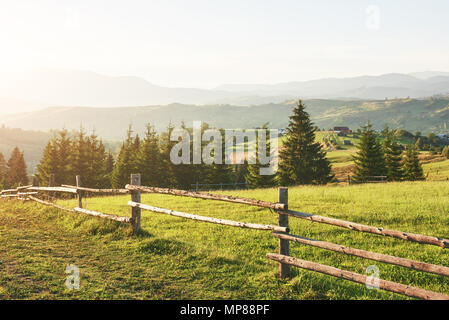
{"type": "Point", "coordinates": [175, 258]}
{"type": "Point", "coordinates": [437, 171]}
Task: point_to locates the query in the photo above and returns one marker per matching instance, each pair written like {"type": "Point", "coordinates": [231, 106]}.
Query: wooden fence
{"type": "Point", "coordinates": [281, 231]}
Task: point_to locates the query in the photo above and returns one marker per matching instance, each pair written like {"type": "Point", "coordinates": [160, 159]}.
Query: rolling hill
{"type": "Point", "coordinates": [425, 115]}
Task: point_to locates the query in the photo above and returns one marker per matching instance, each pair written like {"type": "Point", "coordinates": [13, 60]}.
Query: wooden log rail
{"type": "Point", "coordinates": [407, 263]}
{"type": "Point", "coordinates": [15, 190]}
{"type": "Point", "coordinates": [117, 191]}
{"type": "Point", "coordinates": [80, 210]}
{"type": "Point", "coordinates": [50, 204]}
{"type": "Point", "coordinates": [358, 278]}
{"type": "Point", "coordinates": [209, 196]}
{"type": "Point", "coordinates": [53, 189]}
{"type": "Point", "coordinates": [208, 219]}
{"type": "Point", "coordinates": [103, 215]}
{"type": "Point", "coordinates": [419, 238]}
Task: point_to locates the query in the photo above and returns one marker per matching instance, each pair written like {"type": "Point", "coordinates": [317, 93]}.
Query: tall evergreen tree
{"type": "Point", "coordinates": [63, 146]}
{"type": "Point", "coordinates": [17, 170]}
{"type": "Point", "coordinates": [369, 160]}
{"type": "Point", "coordinates": [80, 156]}
{"type": "Point", "coordinates": [253, 178]}
{"type": "Point", "coordinates": [125, 164]}
{"type": "Point", "coordinates": [302, 160]}
{"type": "Point", "coordinates": [149, 159]}
{"type": "Point", "coordinates": [48, 163]}
{"type": "Point", "coordinates": [413, 170]}
{"type": "Point", "coordinates": [393, 156]}
{"type": "Point", "coordinates": [168, 178]}
{"type": "Point", "coordinates": [3, 171]}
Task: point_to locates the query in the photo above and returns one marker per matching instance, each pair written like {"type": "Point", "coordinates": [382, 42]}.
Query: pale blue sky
{"type": "Point", "coordinates": [199, 43]}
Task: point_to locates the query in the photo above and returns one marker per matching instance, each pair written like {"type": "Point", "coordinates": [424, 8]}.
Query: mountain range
{"type": "Point", "coordinates": [33, 90]}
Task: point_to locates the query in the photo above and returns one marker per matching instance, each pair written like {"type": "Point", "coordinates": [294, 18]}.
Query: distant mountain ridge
{"type": "Point", "coordinates": [85, 88]}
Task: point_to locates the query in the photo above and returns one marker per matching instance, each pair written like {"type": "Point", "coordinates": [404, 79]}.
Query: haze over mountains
{"type": "Point", "coordinates": [33, 90]}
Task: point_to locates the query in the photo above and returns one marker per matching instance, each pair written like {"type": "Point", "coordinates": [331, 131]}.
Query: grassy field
{"type": "Point", "coordinates": [175, 258]}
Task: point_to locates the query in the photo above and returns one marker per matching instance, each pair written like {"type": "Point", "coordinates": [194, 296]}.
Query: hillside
{"type": "Point", "coordinates": [184, 259]}
{"type": "Point", "coordinates": [425, 115]}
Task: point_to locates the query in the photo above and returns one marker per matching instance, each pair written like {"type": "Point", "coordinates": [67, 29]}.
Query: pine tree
{"type": "Point", "coordinates": [149, 159]}
{"type": "Point", "coordinates": [63, 146]}
{"type": "Point", "coordinates": [253, 178]}
{"type": "Point", "coordinates": [80, 157]}
{"type": "Point", "coordinates": [393, 156]}
{"type": "Point", "coordinates": [17, 170]}
{"type": "Point", "coordinates": [49, 163]}
{"type": "Point", "coordinates": [217, 173]}
{"type": "Point", "coordinates": [369, 160]}
{"type": "Point", "coordinates": [3, 171]}
{"type": "Point", "coordinates": [302, 160]}
{"type": "Point", "coordinates": [413, 170]}
{"type": "Point", "coordinates": [125, 164]}
{"type": "Point", "coordinates": [168, 178]}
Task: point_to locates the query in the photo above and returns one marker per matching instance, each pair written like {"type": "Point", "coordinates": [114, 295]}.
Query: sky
{"type": "Point", "coordinates": [205, 43]}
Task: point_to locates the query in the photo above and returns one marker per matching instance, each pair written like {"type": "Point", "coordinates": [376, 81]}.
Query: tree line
{"type": "Point", "coordinates": [302, 160]}
{"type": "Point", "coordinates": [387, 158]}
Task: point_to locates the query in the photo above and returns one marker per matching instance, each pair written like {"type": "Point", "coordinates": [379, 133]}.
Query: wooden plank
{"type": "Point", "coordinates": [407, 263]}
{"type": "Point", "coordinates": [208, 219]}
{"type": "Point", "coordinates": [15, 190]}
{"type": "Point", "coordinates": [209, 196]}
{"type": "Point", "coordinates": [284, 245]}
{"type": "Point", "coordinates": [423, 239]}
{"type": "Point", "coordinates": [50, 204]}
{"type": "Point", "coordinates": [118, 191]}
{"type": "Point", "coordinates": [358, 278]}
{"type": "Point", "coordinates": [103, 215]}
{"type": "Point", "coordinates": [54, 189]}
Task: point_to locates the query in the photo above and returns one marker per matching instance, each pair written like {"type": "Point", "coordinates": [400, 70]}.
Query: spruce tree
{"type": "Point", "coordinates": [253, 178]}
{"type": "Point", "coordinates": [125, 164]}
{"type": "Point", "coordinates": [167, 176]}
{"type": "Point", "coordinates": [149, 159]}
{"type": "Point", "coordinates": [393, 156]}
{"type": "Point", "coordinates": [3, 171]}
{"type": "Point", "coordinates": [413, 170]}
{"type": "Point", "coordinates": [63, 146]}
{"type": "Point", "coordinates": [80, 156]}
{"type": "Point", "coordinates": [49, 163]}
{"type": "Point", "coordinates": [17, 170]}
{"type": "Point", "coordinates": [369, 160]}
{"type": "Point", "coordinates": [216, 173]}
{"type": "Point", "coordinates": [302, 160]}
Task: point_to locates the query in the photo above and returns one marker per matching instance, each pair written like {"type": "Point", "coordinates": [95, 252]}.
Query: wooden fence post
{"type": "Point", "coordinates": [284, 245]}
{"type": "Point", "coordinates": [135, 196]}
{"type": "Point", "coordinates": [79, 193]}
{"type": "Point", "coordinates": [51, 183]}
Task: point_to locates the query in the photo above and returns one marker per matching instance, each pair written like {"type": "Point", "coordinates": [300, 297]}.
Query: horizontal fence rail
{"type": "Point", "coordinates": [407, 263]}
{"type": "Point", "coordinates": [53, 189]}
{"type": "Point", "coordinates": [47, 203]}
{"type": "Point", "coordinates": [103, 215]}
{"type": "Point", "coordinates": [209, 196]}
{"type": "Point", "coordinates": [208, 219]}
{"type": "Point", "coordinates": [119, 191]}
{"type": "Point", "coordinates": [358, 278]}
{"type": "Point", "coordinates": [423, 239]}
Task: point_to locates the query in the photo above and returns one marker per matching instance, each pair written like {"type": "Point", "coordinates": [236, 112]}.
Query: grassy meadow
{"type": "Point", "coordinates": [174, 258]}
